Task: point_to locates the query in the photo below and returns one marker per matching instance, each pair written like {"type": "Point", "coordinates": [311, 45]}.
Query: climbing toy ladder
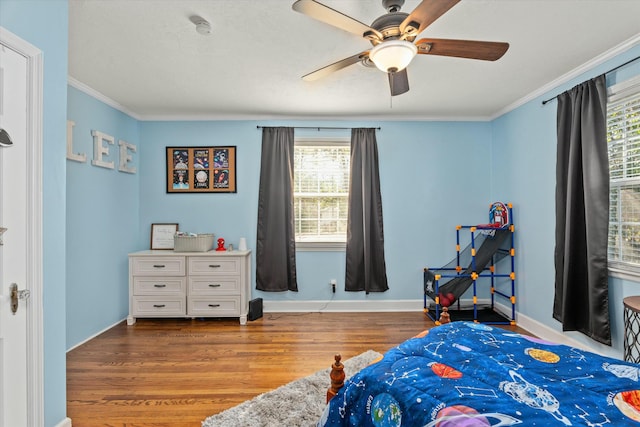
{"type": "Point", "coordinates": [482, 265]}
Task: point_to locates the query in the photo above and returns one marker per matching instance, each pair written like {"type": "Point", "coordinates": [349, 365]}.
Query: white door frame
{"type": "Point", "coordinates": [35, 383]}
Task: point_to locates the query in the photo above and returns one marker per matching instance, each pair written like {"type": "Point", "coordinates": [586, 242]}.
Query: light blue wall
{"type": "Point", "coordinates": [102, 220]}
{"type": "Point", "coordinates": [433, 176]}
{"type": "Point", "coordinates": [44, 23]}
{"type": "Point", "coordinates": [524, 150]}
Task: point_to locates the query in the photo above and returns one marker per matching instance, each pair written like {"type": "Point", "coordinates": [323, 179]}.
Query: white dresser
{"type": "Point", "coordinates": [189, 284]}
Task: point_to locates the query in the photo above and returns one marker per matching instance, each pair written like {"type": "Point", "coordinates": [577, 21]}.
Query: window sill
{"type": "Point", "coordinates": [320, 246]}
{"type": "Point", "coordinates": [624, 273]}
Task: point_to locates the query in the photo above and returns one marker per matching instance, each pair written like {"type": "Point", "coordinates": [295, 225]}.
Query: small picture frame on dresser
{"type": "Point", "coordinates": [162, 235]}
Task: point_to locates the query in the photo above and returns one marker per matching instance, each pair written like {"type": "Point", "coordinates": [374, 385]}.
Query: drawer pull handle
{"type": "Point", "coordinates": [159, 285]}
{"type": "Point", "coordinates": [158, 265]}
{"type": "Point", "coordinates": [214, 285]}
{"type": "Point", "coordinates": [158, 305]}
{"type": "Point", "coordinates": [214, 265]}
{"type": "Point", "coordinates": [214, 305]}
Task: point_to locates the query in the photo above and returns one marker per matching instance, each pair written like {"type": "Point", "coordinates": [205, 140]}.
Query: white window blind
{"type": "Point", "coordinates": [321, 191]}
{"type": "Point", "coordinates": [623, 140]}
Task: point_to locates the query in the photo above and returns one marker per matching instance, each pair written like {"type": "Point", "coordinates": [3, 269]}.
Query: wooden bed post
{"type": "Point", "coordinates": [444, 316]}
{"type": "Point", "coordinates": [337, 377]}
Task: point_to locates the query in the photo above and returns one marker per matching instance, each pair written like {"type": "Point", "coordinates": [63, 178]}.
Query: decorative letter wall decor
{"type": "Point", "coordinates": [99, 150]}
{"type": "Point", "coordinates": [76, 157]}
{"type": "Point", "coordinates": [125, 157]}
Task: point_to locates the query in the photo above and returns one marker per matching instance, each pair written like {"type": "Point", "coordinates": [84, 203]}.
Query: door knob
{"type": "Point", "coordinates": [17, 295]}
{"type": "Point", "coordinates": [5, 139]}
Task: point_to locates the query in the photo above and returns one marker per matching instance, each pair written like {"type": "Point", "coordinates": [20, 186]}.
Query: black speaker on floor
{"type": "Point", "coordinates": [255, 309]}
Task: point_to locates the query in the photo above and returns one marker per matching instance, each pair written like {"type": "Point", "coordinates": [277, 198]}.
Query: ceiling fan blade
{"type": "Point", "coordinates": [398, 82]}
{"type": "Point", "coordinates": [343, 63]}
{"type": "Point", "coordinates": [330, 16]}
{"type": "Point", "coordinates": [487, 51]}
{"type": "Point", "coordinates": [424, 15]}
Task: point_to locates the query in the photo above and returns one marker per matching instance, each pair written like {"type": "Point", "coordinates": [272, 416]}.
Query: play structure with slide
{"type": "Point", "coordinates": [489, 244]}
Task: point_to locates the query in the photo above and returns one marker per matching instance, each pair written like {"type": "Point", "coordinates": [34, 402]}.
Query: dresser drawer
{"type": "Point", "coordinates": [214, 285]}
{"type": "Point", "coordinates": [161, 306]}
{"type": "Point", "coordinates": [159, 285]}
{"type": "Point", "coordinates": [219, 306]}
{"type": "Point", "coordinates": [214, 265]}
{"type": "Point", "coordinates": [159, 266]}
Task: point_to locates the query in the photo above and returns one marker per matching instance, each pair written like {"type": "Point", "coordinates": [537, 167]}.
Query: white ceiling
{"type": "Point", "coordinates": [146, 57]}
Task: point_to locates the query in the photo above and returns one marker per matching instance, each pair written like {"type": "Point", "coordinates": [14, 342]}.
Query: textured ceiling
{"type": "Point", "coordinates": [146, 56]}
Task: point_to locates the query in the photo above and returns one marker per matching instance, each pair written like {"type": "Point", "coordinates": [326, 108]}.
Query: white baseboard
{"type": "Point", "coordinates": [546, 333]}
{"type": "Point", "coordinates": [549, 334]}
{"type": "Point", "coordinates": [341, 306]}
{"type": "Point", "coordinates": [357, 306]}
{"type": "Point", "coordinates": [64, 423]}
{"type": "Point", "coordinates": [94, 335]}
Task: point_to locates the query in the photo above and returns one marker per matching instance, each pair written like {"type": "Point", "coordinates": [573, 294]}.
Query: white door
{"type": "Point", "coordinates": [13, 266]}
{"type": "Point", "coordinates": [20, 216]}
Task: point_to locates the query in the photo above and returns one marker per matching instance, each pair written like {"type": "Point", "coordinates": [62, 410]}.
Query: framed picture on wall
{"type": "Point", "coordinates": [201, 169]}
{"type": "Point", "coordinates": [162, 235]}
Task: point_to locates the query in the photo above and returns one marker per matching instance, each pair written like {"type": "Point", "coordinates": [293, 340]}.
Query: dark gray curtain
{"type": "Point", "coordinates": [581, 300]}
{"type": "Point", "coordinates": [276, 242]}
{"type": "Point", "coordinates": [365, 269]}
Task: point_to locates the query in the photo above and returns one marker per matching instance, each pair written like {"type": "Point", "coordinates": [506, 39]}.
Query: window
{"type": "Point", "coordinates": [321, 193]}
{"type": "Point", "coordinates": [623, 140]}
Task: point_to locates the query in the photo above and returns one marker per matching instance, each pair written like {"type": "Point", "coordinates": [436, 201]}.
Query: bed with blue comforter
{"type": "Point", "coordinates": [466, 374]}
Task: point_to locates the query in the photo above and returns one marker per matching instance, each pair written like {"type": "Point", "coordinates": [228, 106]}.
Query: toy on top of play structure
{"type": "Point", "coordinates": [498, 216]}
{"type": "Point", "coordinates": [489, 243]}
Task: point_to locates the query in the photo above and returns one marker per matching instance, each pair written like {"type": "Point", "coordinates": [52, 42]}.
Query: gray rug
{"type": "Point", "coordinates": [299, 403]}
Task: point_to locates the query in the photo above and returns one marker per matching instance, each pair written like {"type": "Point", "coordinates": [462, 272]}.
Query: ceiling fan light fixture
{"type": "Point", "coordinates": [393, 55]}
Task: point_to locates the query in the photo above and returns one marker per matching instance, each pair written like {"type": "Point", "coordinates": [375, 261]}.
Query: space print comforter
{"type": "Point", "coordinates": [465, 374]}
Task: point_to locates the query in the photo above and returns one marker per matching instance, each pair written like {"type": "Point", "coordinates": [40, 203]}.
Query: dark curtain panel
{"type": "Point", "coordinates": [581, 300]}
{"type": "Point", "coordinates": [365, 270]}
{"type": "Point", "coordinates": [276, 241]}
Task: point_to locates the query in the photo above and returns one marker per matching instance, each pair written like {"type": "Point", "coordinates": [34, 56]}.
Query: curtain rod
{"type": "Point", "coordinates": [606, 72]}
{"type": "Point", "coordinates": [317, 127]}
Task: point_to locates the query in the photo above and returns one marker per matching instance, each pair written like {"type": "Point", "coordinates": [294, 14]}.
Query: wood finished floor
{"type": "Point", "coordinates": [177, 372]}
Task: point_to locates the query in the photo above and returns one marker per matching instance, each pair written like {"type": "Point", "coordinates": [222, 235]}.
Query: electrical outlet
{"type": "Point", "coordinates": [333, 285]}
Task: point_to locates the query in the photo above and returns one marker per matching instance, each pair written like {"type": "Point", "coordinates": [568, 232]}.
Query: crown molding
{"type": "Point", "coordinates": [576, 72]}
{"type": "Point", "coordinates": [100, 97]}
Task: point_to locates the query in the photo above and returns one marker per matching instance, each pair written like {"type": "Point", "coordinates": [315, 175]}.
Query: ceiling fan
{"type": "Point", "coordinates": [392, 36]}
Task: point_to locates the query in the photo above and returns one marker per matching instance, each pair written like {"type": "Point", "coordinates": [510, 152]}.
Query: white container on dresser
{"type": "Point", "coordinates": [189, 284]}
